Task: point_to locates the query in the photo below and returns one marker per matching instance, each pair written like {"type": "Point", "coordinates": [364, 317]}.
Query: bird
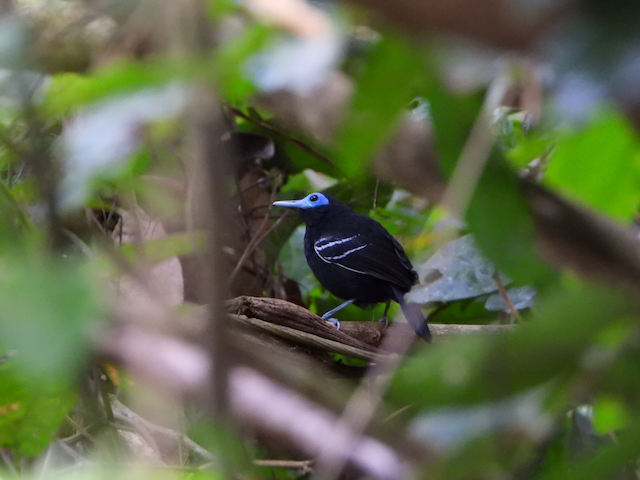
{"type": "Point", "coordinates": [355, 258]}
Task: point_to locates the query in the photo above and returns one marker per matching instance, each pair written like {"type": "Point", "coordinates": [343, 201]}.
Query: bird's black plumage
{"type": "Point", "coordinates": [355, 258]}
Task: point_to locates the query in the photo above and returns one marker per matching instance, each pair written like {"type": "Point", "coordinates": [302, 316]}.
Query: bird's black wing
{"type": "Point", "coordinates": [380, 256]}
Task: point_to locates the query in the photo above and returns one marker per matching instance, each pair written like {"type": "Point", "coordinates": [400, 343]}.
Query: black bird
{"type": "Point", "coordinates": [355, 258]}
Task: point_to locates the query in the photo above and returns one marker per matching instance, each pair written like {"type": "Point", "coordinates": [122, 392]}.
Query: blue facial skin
{"type": "Point", "coordinates": [313, 200]}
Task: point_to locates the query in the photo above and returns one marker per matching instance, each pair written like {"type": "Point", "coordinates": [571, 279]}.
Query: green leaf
{"type": "Point", "coordinates": [31, 409]}
{"type": "Point", "coordinates": [389, 83]}
{"type": "Point", "coordinates": [607, 462]}
{"type": "Point", "coordinates": [609, 414]}
{"type": "Point", "coordinates": [68, 91]}
{"type": "Point", "coordinates": [599, 165]}
{"type": "Point", "coordinates": [47, 311]}
{"type": "Point", "coordinates": [473, 368]}
{"type": "Point", "coordinates": [499, 217]}
{"type": "Point", "coordinates": [453, 117]}
{"type": "Point", "coordinates": [229, 63]}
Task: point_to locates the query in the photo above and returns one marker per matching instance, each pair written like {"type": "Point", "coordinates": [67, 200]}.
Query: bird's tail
{"type": "Point", "coordinates": [414, 316]}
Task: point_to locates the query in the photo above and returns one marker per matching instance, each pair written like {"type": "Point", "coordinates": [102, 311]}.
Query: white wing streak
{"type": "Point", "coordinates": [328, 243]}
{"type": "Point", "coordinates": [332, 249]}
{"type": "Point", "coordinates": [348, 252]}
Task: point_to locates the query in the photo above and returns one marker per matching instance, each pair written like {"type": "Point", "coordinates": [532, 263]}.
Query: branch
{"type": "Point", "coordinates": [355, 339]}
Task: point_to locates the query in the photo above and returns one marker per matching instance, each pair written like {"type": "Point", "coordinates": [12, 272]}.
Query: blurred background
{"type": "Point", "coordinates": [158, 317]}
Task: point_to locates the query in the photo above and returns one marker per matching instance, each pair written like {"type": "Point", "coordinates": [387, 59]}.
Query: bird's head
{"type": "Point", "coordinates": [311, 201]}
{"type": "Point", "coordinates": [313, 206]}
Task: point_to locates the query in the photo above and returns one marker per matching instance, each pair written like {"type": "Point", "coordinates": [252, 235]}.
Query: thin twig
{"type": "Point", "coordinates": [274, 177]}
{"type": "Point", "coordinates": [253, 244]}
{"type": "Point", "coordinates": [505, 296]}
{"type": "Point", "coordinates": [398, 412]}
{"type": "Point", "coordinates": [254, 241]}
{"type": "Point", "coordinates": [298, 143]}
{"type": "Point", "coordinates": [111, 212]}
{"type": "Point", "coordinates": [81, 429]}
{"type": "Point", "coordinates": [71, 439]}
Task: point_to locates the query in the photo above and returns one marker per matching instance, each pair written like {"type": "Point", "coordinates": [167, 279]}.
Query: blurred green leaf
{"type": "Point", "coordinates": [14, 221]}
{"type": "Point", "coordinates": [389, 83]}
{"type": "Point", "coordinates": [219, 8]}
{"type": "Point", "coordinates": [452, 116]}
{"type": "Point", "coordinates": [68, 91]}
{"type": "Point", "coordinates": [613, 459]}
{"type": "Point", "coordinates": [536, 145]}
{"type": "Point", "coordinates": [502, 225]}
{"type": "Point", "coordinates": [230, 63]}
{"type": "Point", "coordinates": [31, 409]}
{"type": "Point", "coordinates": [473, 369]}
{"type": "Point", "coordinates": [599, 165]}
{"type": "Point", "coordinates": [48, 309]}
{"type": "Point", "coordinates": [609, 414]}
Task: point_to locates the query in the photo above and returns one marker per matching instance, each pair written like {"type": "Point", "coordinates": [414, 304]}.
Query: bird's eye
{"type": "Point", "coordinates": [313, 198]}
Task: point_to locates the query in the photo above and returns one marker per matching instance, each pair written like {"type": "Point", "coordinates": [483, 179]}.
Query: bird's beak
{"type": "Point", "coordinates": [288, 203]}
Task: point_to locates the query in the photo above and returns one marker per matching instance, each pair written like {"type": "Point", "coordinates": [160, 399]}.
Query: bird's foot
{"type": "Point", "coordinates": [335, 321]}
{"type": "Point", "coordinates": [385, 320]}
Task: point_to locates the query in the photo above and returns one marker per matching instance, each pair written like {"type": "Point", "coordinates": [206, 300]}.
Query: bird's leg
{"type": "Point", "coordinates": [328, 315]}
{"type": "Point", "coordinates": [384, 316]}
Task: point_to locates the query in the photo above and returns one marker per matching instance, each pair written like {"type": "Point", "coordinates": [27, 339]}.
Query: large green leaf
{"type": "Point", "coordinates": [389, 83]}
{"type": "Point", "coordinates": [31, 409]}
{"type": "Point", "coordinates": [48, 310]}
{"type": "Point", "coordinates": [472, 369]}
{"type": "Point", "coordinates": [599, 165]}
{"type": "Point", "coordinates": [502, 224]}
{"type": "Point", "coordinates": [453, 117]}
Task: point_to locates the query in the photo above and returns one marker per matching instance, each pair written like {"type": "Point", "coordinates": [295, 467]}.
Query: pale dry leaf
{"type": "Point", "coordinates": [163, 283]}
